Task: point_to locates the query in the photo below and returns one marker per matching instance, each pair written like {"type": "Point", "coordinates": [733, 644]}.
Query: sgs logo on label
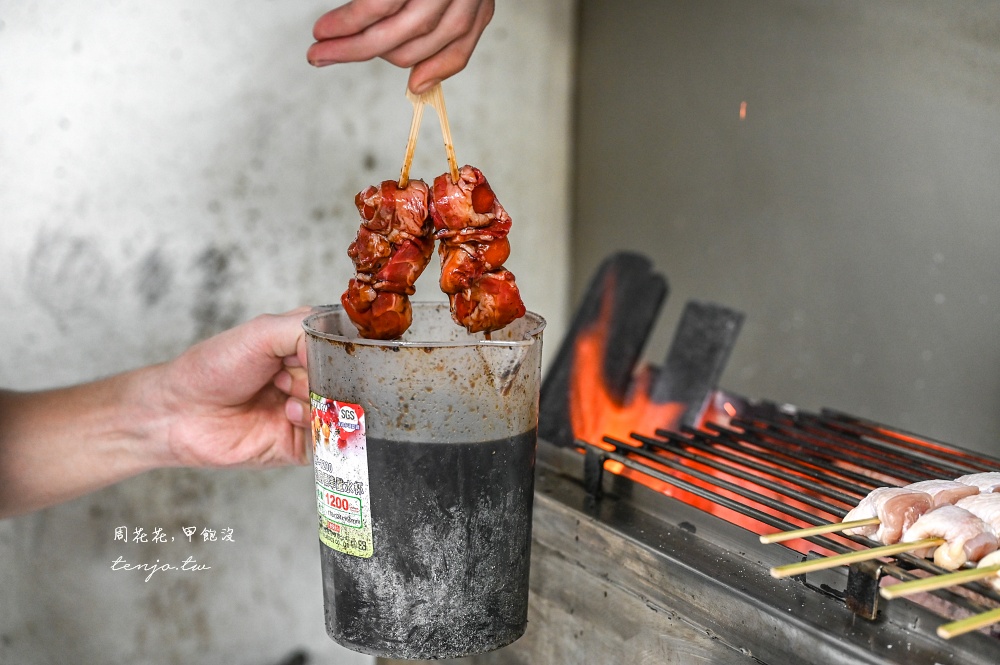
{"type": "Point", "coordinates": [348, 418]}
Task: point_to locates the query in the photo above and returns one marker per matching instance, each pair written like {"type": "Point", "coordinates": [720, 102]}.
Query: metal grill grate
{"type": "Point", "coordinates": [781, 469]}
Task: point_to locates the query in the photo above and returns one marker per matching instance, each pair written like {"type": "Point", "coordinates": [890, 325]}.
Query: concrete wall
{"type": "Point", "coordinates": [854, 214]}
{"type": "Point", "coordinates": [166, 171]}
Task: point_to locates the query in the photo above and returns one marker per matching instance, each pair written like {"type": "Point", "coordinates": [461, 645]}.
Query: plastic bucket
{"type": "Point", "coordinates": [424, 456]}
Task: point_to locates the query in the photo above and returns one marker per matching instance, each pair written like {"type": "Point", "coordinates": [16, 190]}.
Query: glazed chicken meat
{"type": "Point", "coordinates": [396, 240]}
{"type": "Point", "coordinates": [472, 228]}
{"type": "Point", "coordinates": [392, 248]}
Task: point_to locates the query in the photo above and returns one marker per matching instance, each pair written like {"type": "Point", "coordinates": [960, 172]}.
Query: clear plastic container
{"type": "Point", "coordinates": [424, 452]}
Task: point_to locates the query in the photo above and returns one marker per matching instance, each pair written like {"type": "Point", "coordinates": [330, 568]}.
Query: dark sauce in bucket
{"type": "Point", "coordinates": [448, 575]}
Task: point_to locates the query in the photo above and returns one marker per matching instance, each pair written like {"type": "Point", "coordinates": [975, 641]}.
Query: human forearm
{"type": "Point", "coordinates": [237, 399]}
{"type": "Point", "coordinates": [59, 444]}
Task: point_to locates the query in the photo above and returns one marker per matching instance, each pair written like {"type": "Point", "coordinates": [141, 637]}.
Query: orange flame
{"type": "Point", "coordinates": [595, 413]}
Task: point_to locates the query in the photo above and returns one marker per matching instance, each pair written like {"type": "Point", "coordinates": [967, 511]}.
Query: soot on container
{"type": "Point", "coordinates": [424, 452]}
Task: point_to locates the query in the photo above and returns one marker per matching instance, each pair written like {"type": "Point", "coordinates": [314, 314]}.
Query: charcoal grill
{"type": "Point", "coordinates": [645, 544]}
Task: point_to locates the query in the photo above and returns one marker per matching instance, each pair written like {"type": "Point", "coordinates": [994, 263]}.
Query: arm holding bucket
{"type": "Point", "coordinates": [236, 399]}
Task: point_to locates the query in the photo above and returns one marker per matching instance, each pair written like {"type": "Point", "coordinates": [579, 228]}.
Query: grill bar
{"type": "Point", "coordinates": [815, 456]}
{"type": "Point", "coordinates": [963, 460]}
{"type": "Point", "coordinates": [800, 478]}
{"type": "Point", "coordinates": [832, 450]}
{"type": "Point", "coordinates": [668, 445]}
{"type": "Point", "coordinates": [777, 455]}
{"type": "Point", "coordinates": [724, 501]}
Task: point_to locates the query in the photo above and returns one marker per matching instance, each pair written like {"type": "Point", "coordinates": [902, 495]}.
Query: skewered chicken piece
{"type": "Point", "coordinates": [988, 561]}
{"type": "Point", "coordinates": [984, 506]}
{"type": "Point", "coordinates": [472, 227]}
{"type": "Point", "coordinates": [392, 248]}
{"type": "Point", "coordinates": [968, 537]}
{"type": "Point", "coordinates": [944, 492]}
{"type": "Point", "coordinates": [915, 518]}
{"type": "Point", "coordinates": [986, 482]}
{"type": "Point", "coordinates": [987, 508]}
{"type": "Point", "coordinates": [941, 492]}
{"type": "Point", "coordinates": [897, 508]}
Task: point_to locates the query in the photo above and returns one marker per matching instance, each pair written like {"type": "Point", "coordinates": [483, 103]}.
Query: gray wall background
{"type": "Point", "coordinates": [168, 170]}
{"type": "Point", "coordinates": [854, 214]}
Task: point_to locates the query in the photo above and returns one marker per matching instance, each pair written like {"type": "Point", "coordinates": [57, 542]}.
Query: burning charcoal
{"type": "Point", "coordinates": [620, 306]}
{"type": "Point", "coordinates": [702, 343]}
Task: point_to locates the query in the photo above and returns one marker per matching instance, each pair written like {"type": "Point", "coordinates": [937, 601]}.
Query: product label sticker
{"type": "Point", "coordinates": [340, 460]}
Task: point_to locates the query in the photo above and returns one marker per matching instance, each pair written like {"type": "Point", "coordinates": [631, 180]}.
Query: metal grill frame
{"type": "Point", "coordinates": [714, 575]}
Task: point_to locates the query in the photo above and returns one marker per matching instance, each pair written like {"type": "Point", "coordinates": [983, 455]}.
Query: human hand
{"type": "Point", "coordinates": [240, 397]}
{"type": "Point", "coordinates": [434, 37]}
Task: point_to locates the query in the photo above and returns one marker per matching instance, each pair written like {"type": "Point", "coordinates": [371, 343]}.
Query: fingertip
{"type": "Point", "coordinates": [295, 411]}
{"type": "Point", "coordinates": [301, 355]}
{"type": "Point", "coordinates": [419, 88]}
{"type": "Point", "coordinates": [283, 381]}
{"type": "Point", "coordinates": [316, 58]}
{"type": "Point", "coordinates": [453, 58]}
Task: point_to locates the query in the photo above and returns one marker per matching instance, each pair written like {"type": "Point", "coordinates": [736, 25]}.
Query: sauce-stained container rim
{"type": "Point", "coordinates": [534, 322]}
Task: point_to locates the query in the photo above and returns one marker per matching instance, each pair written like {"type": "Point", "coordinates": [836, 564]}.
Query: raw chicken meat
{"type": "Point", "coordinates": [986, 482]}
{"type": "Point", "coordinates": [896, 507]}
{"type": "Point", "coordinates": [968, 537]}
{"type": "Point", "coordinates": [944, 492]}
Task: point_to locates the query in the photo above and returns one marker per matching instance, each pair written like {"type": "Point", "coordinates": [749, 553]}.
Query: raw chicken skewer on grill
{"type": "Point", "coordinates": [952, 535]}
{"type": "Point", "coordinates": [984, 506]}
{"type": "Point", "coordinates": [945, 492]}
{"type": "Point", "coordinates": [897, 509]}
{"type": "Point", "coordinates": [987, 508]}
{"type": "Point", "coordinates": [886, 511]}
{"type": "Point", "coordinates": [968, 538]}
{"type": "Point", "coordinates": [906, 519]}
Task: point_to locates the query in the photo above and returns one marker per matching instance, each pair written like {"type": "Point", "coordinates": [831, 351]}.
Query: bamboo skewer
{"type": "Point", "coordinates": [938, 582]}
{"type": "Point", "coordinates": [411, 142]}
{"type": "Point", "coordinates": [817, 530]}
{"type": "Point", "coordinates": [811, 566]}
{"type": "Point", "coordinates": [962, 626]}
{"type": "Point", "coordinates": [435, 97]}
